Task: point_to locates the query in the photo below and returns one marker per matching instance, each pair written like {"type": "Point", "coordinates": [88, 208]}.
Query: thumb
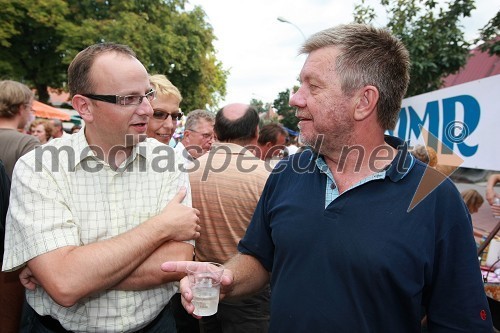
{"type": "Point", "coordinates": [179, 197]}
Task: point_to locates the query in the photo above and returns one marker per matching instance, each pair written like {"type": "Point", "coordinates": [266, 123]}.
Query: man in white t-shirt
{"type": "Point", "coordinates": [198, 136]}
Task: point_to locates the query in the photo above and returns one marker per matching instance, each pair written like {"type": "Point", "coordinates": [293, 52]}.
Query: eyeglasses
{"type": "Point", "coordinates": [205, 136]}
{"type": "Point", "coordinates": [123, 100]}
{"type": "Point", "coordinates": [160, 115]}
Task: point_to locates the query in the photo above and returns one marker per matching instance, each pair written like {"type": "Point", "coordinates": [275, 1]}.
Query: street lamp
{"type": "Point", "coordinates": [281, 19]}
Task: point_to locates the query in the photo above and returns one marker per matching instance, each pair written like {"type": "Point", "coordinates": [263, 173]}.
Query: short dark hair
{"type": "Point", "coordinates": [241, 130]}
{"type": "Point", "coordinates": [79, 78]}
{"type": "Point", "coordinates": [270, 133]}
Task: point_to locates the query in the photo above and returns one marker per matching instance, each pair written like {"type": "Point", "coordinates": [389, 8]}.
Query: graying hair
{"type": "Point", "coordinates": [194, 117]}
{"type": "Point", "coordinates": [368, 56]}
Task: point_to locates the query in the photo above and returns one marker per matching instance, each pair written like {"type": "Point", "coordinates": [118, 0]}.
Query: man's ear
{"type": "Point", "coordinates": [82, 105]}
{"type": "Point", "coordinates": [367, 102]}
{"type": "Point", "coordinates": [186, 136]}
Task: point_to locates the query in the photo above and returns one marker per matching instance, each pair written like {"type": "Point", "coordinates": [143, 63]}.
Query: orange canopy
{"type": "Point", "coordinates": [47, 111]}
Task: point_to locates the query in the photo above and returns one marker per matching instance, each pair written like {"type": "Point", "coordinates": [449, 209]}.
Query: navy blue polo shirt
{"type": "Point", "coordinates": [366, 263]}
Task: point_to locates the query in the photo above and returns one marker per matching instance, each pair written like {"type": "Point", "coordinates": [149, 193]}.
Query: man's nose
{"type": "Point", "coordinates": [145, 108]}
{"type": "Point", "coordinates": [297, 99]}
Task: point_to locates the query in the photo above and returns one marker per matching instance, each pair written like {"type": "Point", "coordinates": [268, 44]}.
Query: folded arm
{"type": "Point", "coordinates": [148, 275]}
{"type": "Point", "coordinates": [72, 272]}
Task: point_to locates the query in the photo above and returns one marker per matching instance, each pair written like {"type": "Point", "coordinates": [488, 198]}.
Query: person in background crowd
{"type": "Point", "coordinates": [291, 145]}
{"type": "Point", "coordinates": [58, 130]}
{"type": "Point", "coordinates": [473, 200]}
{"type": "Point", "coordinates": [226, 210]}
{"type": "Point", "coordinates": [4, 202]}
{"type": "Point", "coordinates": [42, 129]}
{"type": "Point", "coordinates": [75, 129]}
{"type": "Point", "coordinates": [166, 111]}
{"type": "Point", "coordinates": [272, 139]}
{"type": "Point", "coordinates": [16, 100]}
{"type": "Point", "coordinates": [198, 135]}
{"type": "Point", "coordinates": [8, 318]}
{"type": "Point", "coordinates": [425, 154]}
{"type": "Point", "coordinates": [336, 231]}
{"type": "Point", "coordinates": [491, 195]}
{"type": "Point", "coordinates": [15, 113]}
{"type": "Point", "coordinates": [91, 232]}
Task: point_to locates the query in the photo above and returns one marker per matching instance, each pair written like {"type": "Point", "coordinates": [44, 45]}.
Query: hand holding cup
{"type": "Point", "coordinates": [204, 281]}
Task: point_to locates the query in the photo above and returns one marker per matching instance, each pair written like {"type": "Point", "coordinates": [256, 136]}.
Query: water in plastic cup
{"type": "Point", "coordinates": [204, 279]}
{"type": "Point", "coordinates": [205, 301]}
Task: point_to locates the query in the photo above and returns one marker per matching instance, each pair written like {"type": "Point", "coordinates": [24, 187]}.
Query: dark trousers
{"type": "Point", "coordinates": [11, 301]}
{"type": "Point", "coordinates": [248, 315]}
{"type": "Point", "coordinates": [34, 323]}
{"type": "Point", "coordinates": [184, 322]}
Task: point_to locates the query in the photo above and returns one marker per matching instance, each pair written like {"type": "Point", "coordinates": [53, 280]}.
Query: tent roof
{"type": "Point", "coordinates": [46, 111]}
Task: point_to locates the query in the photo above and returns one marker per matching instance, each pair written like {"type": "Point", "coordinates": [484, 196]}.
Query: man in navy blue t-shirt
{"type": "Point", "coordinates": [337, 231]}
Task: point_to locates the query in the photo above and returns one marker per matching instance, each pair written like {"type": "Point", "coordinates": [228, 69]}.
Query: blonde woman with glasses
{"type": "Point", "coordinates": [166, 110]}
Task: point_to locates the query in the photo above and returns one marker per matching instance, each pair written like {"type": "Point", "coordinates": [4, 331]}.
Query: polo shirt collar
{"type": "Point", "coordinates": [399, 166]}
{"type": "Point", "coordinates": [402, 163]}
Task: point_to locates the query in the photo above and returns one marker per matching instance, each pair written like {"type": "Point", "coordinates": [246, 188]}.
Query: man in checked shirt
{"type": "Point", "coordinates": [93, 215]}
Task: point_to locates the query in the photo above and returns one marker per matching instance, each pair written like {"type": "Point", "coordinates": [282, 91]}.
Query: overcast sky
{"type": "Point", "coordinates": [261, 53]}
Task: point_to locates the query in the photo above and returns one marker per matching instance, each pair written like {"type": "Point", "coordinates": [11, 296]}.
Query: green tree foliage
{"type": "Point", "coordinates": [29, 38]}
{"type": "Point", "coordinates": [167, 38]}
{"type": "Point", "coordinates": [489, 36]}
{"type": "Point", "coordinates": [432, 35]}
{"type": "Point", "coordinates": [281, 103]}
{"type": "Point", "coordinates": [259, 105]}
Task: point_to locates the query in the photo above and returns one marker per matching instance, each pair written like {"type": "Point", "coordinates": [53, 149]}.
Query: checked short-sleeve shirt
{"type": "Point", "coordinates": [63, 195]}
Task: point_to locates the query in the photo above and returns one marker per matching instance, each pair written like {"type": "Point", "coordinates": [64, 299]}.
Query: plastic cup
{"type": "Point", "coordinates": [204, 280]}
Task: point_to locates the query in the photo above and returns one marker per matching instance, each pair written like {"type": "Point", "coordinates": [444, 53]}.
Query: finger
{"type": "Point", "coordinates": [175, 266]}
{"type": "Point", "coordinates": [226, 280]}
{"type": "Point", "coordinates": [28, 284]}
{"type": "Point", "coordinates": [185, 289]}
{"type": "Point", "coordinates": [189, 307]}
{"type": "Point", "coordinates": [179, 197]}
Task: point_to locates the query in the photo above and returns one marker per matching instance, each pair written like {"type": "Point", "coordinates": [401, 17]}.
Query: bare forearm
{"type": "Point", "coordinates": [249, 276]}
{"type": "Point", "coordinates": [490, 191]}
{"type": "Point", "coordinates": [492, 180]}
{"type": "Point", "coordinates": [148, 274]}
{"type": "Point", "coordinates": [71, 273]}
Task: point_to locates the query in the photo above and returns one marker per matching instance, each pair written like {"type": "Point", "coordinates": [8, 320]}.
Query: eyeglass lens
{"type": "Point", "coordinates": [160, 115]}
{"type": "Point", "coordinates": [136, 99]}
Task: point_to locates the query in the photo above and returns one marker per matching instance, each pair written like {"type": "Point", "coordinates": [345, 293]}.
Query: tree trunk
{"type": "Point", "coordinates": [43, 94]}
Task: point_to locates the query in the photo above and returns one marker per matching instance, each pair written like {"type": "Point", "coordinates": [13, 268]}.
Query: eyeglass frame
{"type": "Point", "coordinates": [174, 116]}
{"type": "Point", "coordinates": [120, 100]}
{"type": "Point", "coordinates": [204, 135]}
